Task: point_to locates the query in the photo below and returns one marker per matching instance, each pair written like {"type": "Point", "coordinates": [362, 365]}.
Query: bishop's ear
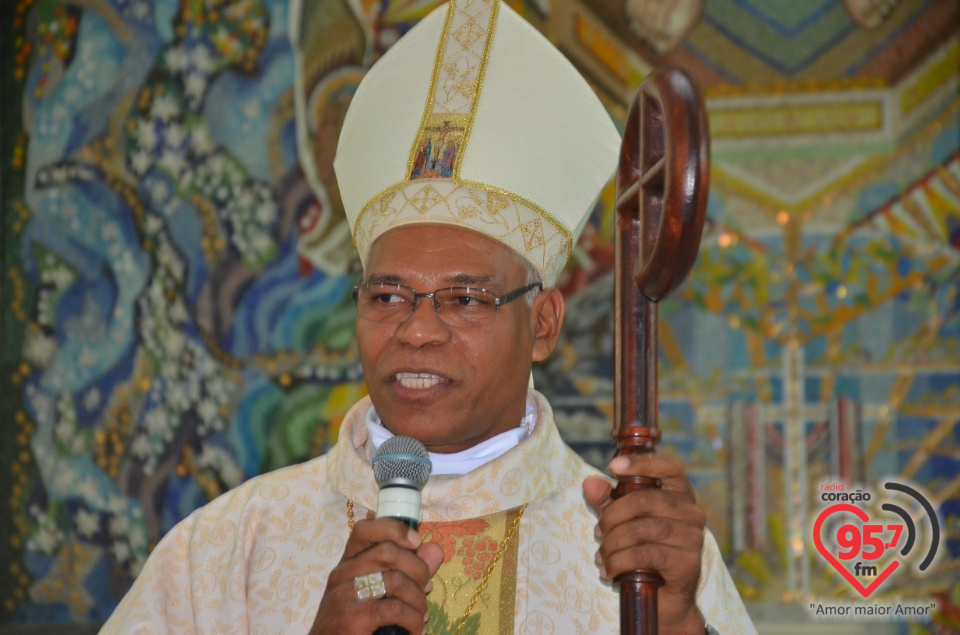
{"type": "Point", "coordinates": [546, 318]}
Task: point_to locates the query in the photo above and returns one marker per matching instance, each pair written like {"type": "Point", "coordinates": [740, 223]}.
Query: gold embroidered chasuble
{"type": "Point", "coordinates": [255, 560]}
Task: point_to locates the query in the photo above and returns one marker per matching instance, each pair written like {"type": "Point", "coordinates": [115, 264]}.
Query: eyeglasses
{"type": "Point", "coordinates": [457, 306]}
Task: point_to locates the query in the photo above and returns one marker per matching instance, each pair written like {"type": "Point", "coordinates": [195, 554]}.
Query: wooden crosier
{"type": "Point", "coordinates": [662, 184]}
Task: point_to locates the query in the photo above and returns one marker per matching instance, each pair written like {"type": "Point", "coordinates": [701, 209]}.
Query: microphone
{"type": "Point", "coordinates": [401, 469]}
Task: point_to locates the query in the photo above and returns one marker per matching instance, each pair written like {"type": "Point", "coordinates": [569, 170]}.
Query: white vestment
{"type": "Point", "coordinates": [517, 535]}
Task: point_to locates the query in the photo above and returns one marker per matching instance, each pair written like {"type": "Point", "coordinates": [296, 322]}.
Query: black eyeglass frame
{"type": "Point", "coordinates": [498, 301]}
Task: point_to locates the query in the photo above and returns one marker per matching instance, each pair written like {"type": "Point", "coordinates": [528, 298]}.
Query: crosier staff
{"type": "Point", "coordinates": [662, 184]}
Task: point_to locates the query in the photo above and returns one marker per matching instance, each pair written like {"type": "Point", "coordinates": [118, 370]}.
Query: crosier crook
{"type": "Point", "coordinates": [662, 184]}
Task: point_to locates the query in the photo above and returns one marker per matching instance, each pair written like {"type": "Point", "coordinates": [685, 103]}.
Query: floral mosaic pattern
{"type": "Point", "coordinates": [174, 342]}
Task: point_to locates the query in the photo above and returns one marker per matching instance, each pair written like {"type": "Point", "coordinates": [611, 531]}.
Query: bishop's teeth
{"type": "Point", "coordinates": [417, 381]}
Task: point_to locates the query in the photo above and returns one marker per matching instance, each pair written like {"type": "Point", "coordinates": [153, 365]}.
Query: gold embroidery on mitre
{"type": "Point", "coordinates": [425, 198]}
{"type": "Point", "coordinates": [468, 34]}
{"type": "Point", "coordinates": [532, 234]}
{"type": "Point", "coordinates": [496, 203]}
{"type": "Point", "coordinates": [383, 206]}
{"type": "Point", "coordinates": [455, 85]}
{"type": "Point", "coordinates": [514, 221]}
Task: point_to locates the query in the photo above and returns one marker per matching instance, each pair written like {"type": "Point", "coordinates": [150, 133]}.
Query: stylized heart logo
{"type": "Point", "coordinates": [862, 515]}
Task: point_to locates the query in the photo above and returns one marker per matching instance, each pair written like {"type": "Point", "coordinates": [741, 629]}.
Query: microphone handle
{"type": "Point", "coordinates": [412, 523]}
{"type": "Point", "coordinates": [384, 511]}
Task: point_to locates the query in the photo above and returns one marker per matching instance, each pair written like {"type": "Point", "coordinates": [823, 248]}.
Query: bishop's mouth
{"type": "Point", "coordinates": [418, 381]}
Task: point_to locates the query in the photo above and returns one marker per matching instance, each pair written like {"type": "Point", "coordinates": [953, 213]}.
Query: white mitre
{"type": "Point", "coordinates": [474, 119]}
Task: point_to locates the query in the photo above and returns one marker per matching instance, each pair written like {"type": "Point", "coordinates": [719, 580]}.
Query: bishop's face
{"type": "Point", "coordinates": [451, 388]}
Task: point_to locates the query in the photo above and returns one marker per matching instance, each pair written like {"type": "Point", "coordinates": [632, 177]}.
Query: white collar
{"type": "Point", "coordinates": [466, 461]}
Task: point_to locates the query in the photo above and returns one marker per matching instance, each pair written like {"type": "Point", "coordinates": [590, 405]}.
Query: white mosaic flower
{"type": "Point", "coordinates": [175, 343]}
{"type": "Point", "coordinates": [178, 312]}
{"type": "Point", "coordinates": [176, 58]}
{"type": "Point", "coordinates": [119, 525]}
{"type": "Point", "coordinates": [40, 349]}
{"type": "Point", "coordinates": [193, 388]}
{"type": "Point", "coordinates": [245, 198]}
{"type": "Point", "coordinates": [87, 523]}
{"type": "Point", "coordinates": [121, 551]}
{"type": "Point", "coordinates": [146, 135]}
{"type": "Point", "coordinates": [266, 212]}
{"type": "Point", "coordinates": [194, 86]}
{"type": "Point", "coordinates": [262, 242]}
{"type": "Point", "coordinates": [177, 397]}
{"type": "Point", "coordinates": [217, 165]}
{"type": "Point", "coordinates": [160, 190]}
{"type": "Point", "coordinates": [44, 406]}
{"type": "Point", "coordinates": [234, 175]}
{"type": "Point", "coordinates": [64, 479]}
{"type": "Point", "coordinates": [200, 140]}
{"type": "Point", "coordinates": [141, 447]}
{"type": "Point", "coordinates": [219, 388]}
{"type": "Point", "coordinates": [153, 224]}
{"type": "Point", "coordinates": [125, 264]}
{"type": "Point", "coordinates": [207, 410]}
{"type": "Point", "coordinates": [141, 162]}
{"type": "Point", "coordinates": [90, 492]}
{"type": "Point", "coordinates": [165, 107]}
{"type": "Point", "coordinates": [202, 60]}
{"type": "Point", "coordinates": [117, 504]}
{"type": "Point", "coordinates": [173, 162]}
{"type": "Point", "coordinates": [63, 431]}
{"type": "Point", "coordinates": [45, 540]}
{"type": "Point", "coordinates": [170, 370]}
{"type": "Point", "coordinates": [205, 364]}
{"type": "Point", "coordinates": [153, 296]}
{"type": "Point", "coordinates": [148, 324]}
{"type": "Point", "coordinates": [186, 182]}
{"type": "Point", "coordinates": [175, 135]}
{"type": "Point", "coordinates": [156, 422]}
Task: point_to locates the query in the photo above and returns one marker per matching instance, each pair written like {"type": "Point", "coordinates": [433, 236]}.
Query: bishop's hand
{"type": "Point", "coordinates": [407, 566]}
{"type": "Point", "coordinates": [657, 529]}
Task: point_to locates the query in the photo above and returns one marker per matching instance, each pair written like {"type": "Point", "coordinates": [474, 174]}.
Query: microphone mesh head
{"type": "Point", "coordinates": [402, 461]}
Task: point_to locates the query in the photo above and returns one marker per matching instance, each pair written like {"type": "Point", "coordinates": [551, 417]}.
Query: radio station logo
{"type": "Point", "coordinates": [866, 545]}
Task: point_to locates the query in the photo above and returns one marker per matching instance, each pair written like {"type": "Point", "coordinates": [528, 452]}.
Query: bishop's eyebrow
{"type": "Point", "coordinates": [457, 280]}
{"type": "Point", "coordinates": [382, 278]}
{"type": "Point", "coordinates": [471, 280]}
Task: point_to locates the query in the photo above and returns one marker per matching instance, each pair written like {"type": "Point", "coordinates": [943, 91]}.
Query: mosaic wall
{"type": "Point", "coordinates": [174, 304]}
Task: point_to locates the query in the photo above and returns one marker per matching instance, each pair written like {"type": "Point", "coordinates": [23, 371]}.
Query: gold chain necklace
{"type": "Point", "coordinates": [462, 622]}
